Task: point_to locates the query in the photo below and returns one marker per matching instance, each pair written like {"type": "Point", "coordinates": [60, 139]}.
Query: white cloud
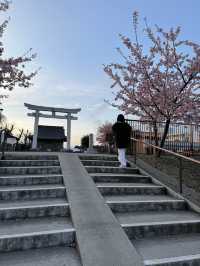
{"type": "Point", "coordinates": [48, 91]}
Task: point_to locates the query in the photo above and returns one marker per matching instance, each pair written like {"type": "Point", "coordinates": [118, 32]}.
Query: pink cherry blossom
{"type": "Point", "coordinates": [104, 133]}
{"type": "Point", "coordinates": [12, 72]}
{"type": "Point", "coordinates": [161, 84]}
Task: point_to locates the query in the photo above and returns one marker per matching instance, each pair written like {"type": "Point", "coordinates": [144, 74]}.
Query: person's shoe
{"type": "Point", "coordinates": [128, 164]}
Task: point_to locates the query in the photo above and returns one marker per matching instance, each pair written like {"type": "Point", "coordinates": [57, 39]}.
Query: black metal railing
{"type": "Point", "coordinates": [182, 138]}
{"type": "Point", "coordinates": [179, 171]}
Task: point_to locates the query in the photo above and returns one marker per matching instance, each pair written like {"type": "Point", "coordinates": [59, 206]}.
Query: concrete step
{"type": "Point", "coordinates": [29, 156]}
{"type": "Point", "coordinates": [151, 217]}
{"type": "Point", "coordinates": [142, 206]}
{"type": "Point", "coordinates": [53, 256]}
{"type": "Point", "coordinates": [98, 157]}
{"type": "Point", "coordinates": [121, 185]}
{"type": "Point", "coordinates": [30, 180]}
{"type": "Point", "coordinates": [108, 169]}
{"type": "Point", "coordinates": [33, 170]}
{"type": "Point", "coordinates": [147, 213]}
{"type": "Point", "coordinates": [32, 210]}
{"type": "Point", "coordinates": [36, 233]}
{"type": "Point", "coordinates": [137, 198]}
{"type": "Point", "coordinates": [131, 189]}
{"type": "Point", "coordinates": [100, 163]}
{"type": "Point", "coordinates": [34, 202]}
{"type": "Point", "coordinates": [120, 178]}
{"type": "Point", "coordinates": [179, 250]}
{"type": "Point", "coordinates": [22, 163]}
{"type": "Point", "coordinates": [32, 192]}
{"type": "Point", "coordinates": [151, 228]}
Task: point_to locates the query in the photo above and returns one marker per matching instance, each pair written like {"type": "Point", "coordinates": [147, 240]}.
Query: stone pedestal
{"type": "Point", "coordinates": [91, 143]}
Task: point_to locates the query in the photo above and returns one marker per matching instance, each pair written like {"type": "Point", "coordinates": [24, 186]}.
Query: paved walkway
{"type": "Point", "coordinates": [101, 240]}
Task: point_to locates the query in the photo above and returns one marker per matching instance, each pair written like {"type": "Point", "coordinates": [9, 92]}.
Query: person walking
{"type": "Point", "coordinates": [122, 134]}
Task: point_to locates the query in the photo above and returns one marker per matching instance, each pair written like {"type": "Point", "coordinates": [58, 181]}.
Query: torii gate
{"type": "Point", "coordinates": [68, 115]}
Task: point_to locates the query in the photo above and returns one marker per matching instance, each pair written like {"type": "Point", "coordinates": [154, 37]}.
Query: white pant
{"type": "Point", "coordinates": [122, 157]}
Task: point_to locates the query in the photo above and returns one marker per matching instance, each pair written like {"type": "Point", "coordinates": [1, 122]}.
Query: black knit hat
{"type": "Point", "coordinates": [120, 118]}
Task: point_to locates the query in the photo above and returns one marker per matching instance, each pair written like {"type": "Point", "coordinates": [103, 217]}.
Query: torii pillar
{"type": "Point", "coordinates": [35, 134]}
{"type": "Point", "coordinates": [37, 114]}
{"type": "Point", "coordinates": [68, 132]}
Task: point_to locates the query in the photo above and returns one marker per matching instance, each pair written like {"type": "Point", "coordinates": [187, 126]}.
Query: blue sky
{"type": "Point", "coordinates": [73, 39]}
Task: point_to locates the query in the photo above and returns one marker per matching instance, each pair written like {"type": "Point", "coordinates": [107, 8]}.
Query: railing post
{"type": "Point", "coordinates": [155, 157]}
{"type": "Point", "coordinates": [135, 151]}
{"type": "Point", "coordinates": [180, 175]}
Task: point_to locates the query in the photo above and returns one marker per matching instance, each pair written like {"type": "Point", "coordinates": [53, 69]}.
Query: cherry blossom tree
{"type": "Point", "coordinates": [104, 133]}
{"type": "Point", "coordinates": [160, 83]}
{"type": "Point", "coordinates": [12, 70]}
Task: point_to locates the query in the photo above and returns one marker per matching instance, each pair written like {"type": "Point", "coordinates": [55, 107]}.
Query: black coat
{"type": "Point", "coordinates": [122, 134]}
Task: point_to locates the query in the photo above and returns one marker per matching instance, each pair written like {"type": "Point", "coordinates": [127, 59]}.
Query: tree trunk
{"type": "Point", "coordinates": [166, 129]}
{"type": "Point", "coordinates": [156, 141]}
{"type": "Point", "coordinates": [155, 129]}
{"type": "Point", "coordinates": [165, 133]}
{"type": "Point", "coordinates": [17, 145]}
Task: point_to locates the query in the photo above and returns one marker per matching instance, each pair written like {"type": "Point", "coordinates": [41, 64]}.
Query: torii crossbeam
{"type": "Point", "coordinates": [53, 110]}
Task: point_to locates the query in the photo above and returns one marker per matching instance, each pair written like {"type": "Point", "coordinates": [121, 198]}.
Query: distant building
{"type": "Point", "coordinates": [51, 138]}
{"type": "Point", "coordinates": [10, 142]}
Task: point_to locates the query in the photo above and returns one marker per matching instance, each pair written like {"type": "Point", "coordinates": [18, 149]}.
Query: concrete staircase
{"type": "Point", "coordinates": [161, 225]}
{"type": "Point", "coordinates": [35, 222]}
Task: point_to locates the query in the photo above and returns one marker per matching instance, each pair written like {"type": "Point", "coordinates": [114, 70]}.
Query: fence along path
{"type": "Point", "coordinates": [181, 137]}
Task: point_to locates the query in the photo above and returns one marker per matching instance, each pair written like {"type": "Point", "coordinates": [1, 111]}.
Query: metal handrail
{"type": "Point", "coordinates": [179, 156]}
{"type": "Point", "coordinates": [162, 122]}
{"type": "Point", "coordinates": [167, 151]}
{"type": "Point", "coordinates": [183, 136]}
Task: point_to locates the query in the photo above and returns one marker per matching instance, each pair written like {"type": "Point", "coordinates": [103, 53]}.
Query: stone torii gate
{"type": "Point", "coordinates": [52, 110]}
